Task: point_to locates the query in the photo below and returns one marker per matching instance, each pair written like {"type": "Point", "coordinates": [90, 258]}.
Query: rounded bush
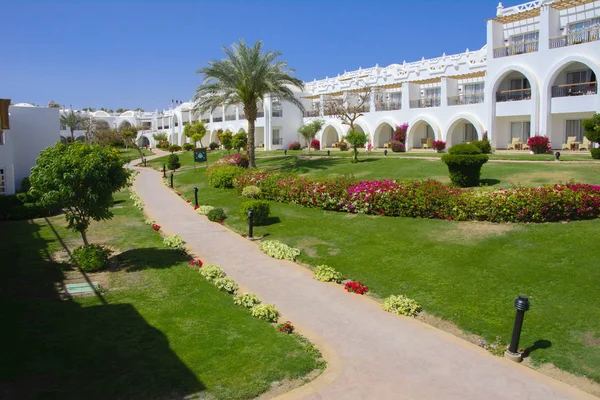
{"type": "Point", "coordinates": [267, 312]}
{"type": "Point", "coordinates": [595, 153]}
{"type": "Point", "coordinates": [174, 148]}
{"type": "Point", "coordinates": [91, 257]}
{"type": "Point", "coordinates": [173, 162]}
{"type": "Point", "coordinates": [464, 148]}
{"type": "Point", "coordinates": [237, 159]}
{"type": "Point", "coordinates": [251, 192]}
{"type": "Point", "coordinates": [213, 146]}
{"type": "Point", "coordinates": [343, 146]}
{"type": "Point", "coordinates": [188, 146]}
{"type": "Point", "coordinates": [260, 210]}
{"type": "Point", "coordinates": [465, 169]}
{"type": "Point", "coordinates": [294, 146]}
{"type": "Point", "coordinates": [216, 215]}
{"type": "Point", "coordinates": [398, 147]}
{"type": "Point", "coordinates": [221, 176]}
{"type": "Point", "coordinates": [483, 145]}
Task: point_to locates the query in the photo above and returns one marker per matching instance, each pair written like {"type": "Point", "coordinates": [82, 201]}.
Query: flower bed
{"type": "Point", "coordinates": [428, 199]}
{"type": "Point", "coordinates": [356, 287]}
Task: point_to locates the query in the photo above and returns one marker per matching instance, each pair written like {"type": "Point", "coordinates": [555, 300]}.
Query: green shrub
{"type": "Point", "coordinates": [211, 272]}
{"type": "Point", "coordinates": [222, 176]}
{"type": "Point", "coordinates": [173, 162]}
{"type": "Point", "coordinates": [91, 257]}
{"type": "Point", "coordinates": [188, 146]}
{"type": "Point", "coordinates": [267, 312]}
{"type": "Point", "coordinates": [174, 147]}
{"type": "Point", "coordinates": [175, 242]}
{"type": "Point", "coordinates": [401, 305]}
{"type": "Point", "coordinates": [23, 206]}
{"type": "Point", "coordinates": [483, 145]}
{"type": "Point", "coordinates": [260, 210]}
{"type": "Point", "coordinates": [324, 273]}
{"type": "Point", "coordinates": [25, 185]}
{"type": "Point", "coordinates": [251, 192]}
{"type": "Point", "coordinates": [343, 146]}
{"type": "Point", "coordinates": [216, 215]}
{"type": "Point", "coordinates": [247, 300]}
{"type": "Point", "coordinates": [226, 284]}
{"type": "Point", "coordinates": [204, 210]}
{"type": "Point", "coordinates": [213, 145]}
{"type": "Point", "coordinates": [464, 163]}
{"type": "Point", "coordinates": [278, 250]}
{"type": "Point", "coordinates": [595, 153]}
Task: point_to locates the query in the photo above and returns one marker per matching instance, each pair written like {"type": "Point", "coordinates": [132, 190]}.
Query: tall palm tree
{"type": "Point", "coordinates": [71, 119]}
{"type": "Point", "coordinates": [245, 77]}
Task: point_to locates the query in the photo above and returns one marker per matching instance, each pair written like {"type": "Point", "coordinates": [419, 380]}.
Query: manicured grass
{"type": "Point", "coordinates": [163, 332]}
{"type": "Point", "coordinates": [133, 153]}
{"type": "Point", "coordinates": [469, 273]}
{"type": "Point", "coordinates": [186, 158]}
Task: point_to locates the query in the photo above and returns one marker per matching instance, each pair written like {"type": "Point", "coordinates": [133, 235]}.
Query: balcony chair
{"type": "Point", "coordinates": [428, 144]}
{"type": "Point", "coordinates": [514, 144]}
{"type": "Point", "coordinates": [571, 140]}
{"type": "Point", "coordinates": [586, 144]}
{"type": "Point", "coordinates": [525, 146]}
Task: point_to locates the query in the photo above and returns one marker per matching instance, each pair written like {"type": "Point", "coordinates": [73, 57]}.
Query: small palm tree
{"type": "Point", "coordinates": [71, 119]}
{"type": "Point", "coordinates": [245, 77]}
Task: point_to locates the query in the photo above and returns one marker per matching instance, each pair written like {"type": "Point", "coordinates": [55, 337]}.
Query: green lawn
{"type": "Point", "coordinates": [161, 331]}
{"type": "Point", "coordinates": [133, 153]}
{"type": "Point", "coordinates": [465, 272]}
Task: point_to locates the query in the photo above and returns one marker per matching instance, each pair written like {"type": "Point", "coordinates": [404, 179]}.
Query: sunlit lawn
{"type": "Point", "coordinates": [164, 332]}
{"type": "Point", "coordinates": [468, 273]}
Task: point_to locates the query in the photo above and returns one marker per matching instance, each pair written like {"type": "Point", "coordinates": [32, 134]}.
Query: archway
{"type": "Point", "coordinates": [461, 131]}
{"type": "Point", "coordinates": [330, 136]}
{"type": "Point", "coordinates": [124, 125]}
{"type": "Point", "coordinates": [419, 134]}
{"type": "Point", "coordinates": [384, 134]}
{"type": "Point", "coordinates": [143, 141]}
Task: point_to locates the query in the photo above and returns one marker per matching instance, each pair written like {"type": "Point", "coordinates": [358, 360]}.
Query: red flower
{"type": "Point", "coordinates": [356, 287]}
{"type": "Point", "coordinates": [156, 227]}
{"type": "Point", "coordinates": [188, 201]}
{"type": "Point", "coordinates": [221, 222]}
{"type": "Point", "coordinates": [197, 263]}
{"type": "Point", "coordinates": [196, 207]}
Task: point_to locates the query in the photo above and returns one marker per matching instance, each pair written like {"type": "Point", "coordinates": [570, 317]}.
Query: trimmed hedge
{"type": "Point", "coordinates": [22, 206]}
{"type": "Point", "coordinates": [464, 163]}
{"type": "Point", "coordinates": [260, 208]}
{"type": "Point", "coordinates": [221, 176]}
{"type": "Point", "coordinates": [595, 153]}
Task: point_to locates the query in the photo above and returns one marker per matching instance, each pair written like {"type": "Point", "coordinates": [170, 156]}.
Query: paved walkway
{"type": "Point", "coordinates": [371, 354]}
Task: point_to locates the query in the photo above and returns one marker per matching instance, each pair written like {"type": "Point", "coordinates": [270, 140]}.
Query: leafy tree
{"type": "Point", "coordinates": [310, 130]}
{"type": "Point", "coordinates": [245, 77]}
{"type": "Point", "coordinates": [591, 128]}
{"type": "Point", "coordinates": [350, 108]}
{"type": "Point", "coordinates": [195, 131]}
{"type": "Point", "coordinates": [129, 135]}
{"type": "Point", "coordinates": [53, 104]}
{"type": "Point", "coordinates": [160, 137]}
{"type": "Point", "coordinates": [89, 109]}
{"type": "Point", "coordinates": [73, 120]}
{"type": "Point", "coordinates": [356, 139]}
{"type": "Point", "coordinates": [226, 139]}
{"type": "Point", "coordinates": [121, 110]}
{"type": "Point", "coordinates": [239, 141]}
{"type": "Point", "coordinates": [173, 162]}
{"type": "Point", "coordinates": [139, 109]}
{"type": "Point", "coordinates": [81, 179]}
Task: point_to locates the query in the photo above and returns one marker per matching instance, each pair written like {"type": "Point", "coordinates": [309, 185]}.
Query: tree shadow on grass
{"type": "Point", "coordinates": [271, 221]}
{"type": "Point", "coordinates": [152, 257]}
{"type": "Point", "coordinates": [538, 344]}
{"type": "Point", "coordinates": [489, 182]}
{"type": "Point", "coordinates": [53, 348]}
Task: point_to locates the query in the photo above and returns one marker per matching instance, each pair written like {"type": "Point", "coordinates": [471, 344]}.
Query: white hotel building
{"type": "Point", "coordinates": [537, 75]}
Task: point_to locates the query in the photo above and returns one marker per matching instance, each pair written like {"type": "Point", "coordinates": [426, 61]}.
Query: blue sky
{"type": "Point", "coordinates": [143, 54]}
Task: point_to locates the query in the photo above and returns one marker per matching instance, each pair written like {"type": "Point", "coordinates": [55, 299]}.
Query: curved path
{"type": "Point", "coordinates": [371, 354]}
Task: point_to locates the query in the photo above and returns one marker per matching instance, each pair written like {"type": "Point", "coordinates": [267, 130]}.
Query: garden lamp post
{"type": "Point", "coordinates": [385, 152]}
{"type": "Point", "coordinates": [164, 171]}
{"type": "Point", "coordinates": [557, 155]}
{"type": "Point", "coordinates": [144, 161]}
{"type": "Point", "coordinates": [196, 196]}
{"type": "Point", "coordinates": [522, 305]}
{"type": "Point", "coordinates": [250, 223]}
{"type": "Point", "coordinates": [171, 180]}
{"type": "Point", "coordinates": [328, 153]}
{"type": "Point", "coordinates": [285, 152]}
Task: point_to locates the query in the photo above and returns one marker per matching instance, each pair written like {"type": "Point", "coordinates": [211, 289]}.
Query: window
{"type": "Point", "coordinates": [584, 25]}
{"type": "Point", "coordinates": [574, 129]}
{"type": "Point", "coordinates": [525, 38]}
{"type": "Point", "coordinates": [276, 139]}
{"type": "Point", "coordinates": [518, 84]}
{"type": "Point", "coordinates": [2, 181]}
{"type": "Point", "coordinates": [433, 92]}
{"type": "Point", "coordinates": [470, 133]}
{"type": "Point", "coordinates": [584, 76]}
{"type": "Point", "coordinates": [520, 130]}
{"type": "Point", "coordinates": [1, 137]}
{"type": "Point", "coordinates": [429, 132]}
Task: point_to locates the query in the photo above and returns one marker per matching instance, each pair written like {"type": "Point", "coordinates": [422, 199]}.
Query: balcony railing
{"type": "Point", "coordinates": [217, 119]}
{"type": "Point", "coordinates": [365, 108]}
{"type": "Point", "coordinates": [260, 114]}
{"type": "Point", "coordinates": [230, 117]}
{"type": "Point", "coordinates": [463, 99]}
{"type": "Point", "coordinates": [571, 39]}
{"type": "Point", "coordinates": [576, 89]}
{"type": "Point", "coordinates": [311, 113]}
{"type": "Point", "coordinates": [514, 49]}
{"type": "Point", "coordinates": [425, 102]}
{"type": "Point", "coordinates": [513, 95]}
{"type": "Point", "coordinates": [277, 141]}
{"type": "Point", "coordinates": [277, 113]}
{"type": "Point", "coordinates": [388, 106]}
{"type": "Point", "coordinates": [205, 120]}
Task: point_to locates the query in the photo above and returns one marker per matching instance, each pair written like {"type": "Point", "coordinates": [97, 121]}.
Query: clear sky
{"type": "Point", "coordinates": [143, 54]}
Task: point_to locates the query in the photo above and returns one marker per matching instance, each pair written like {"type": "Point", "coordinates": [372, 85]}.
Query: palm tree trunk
{"type": "Point", "coordinates": [251, 154]}
{"type": "Point", "coordinates": [72, 135]}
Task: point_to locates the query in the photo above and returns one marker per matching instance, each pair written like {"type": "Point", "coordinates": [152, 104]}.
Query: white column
{"type": "Point", "coordinates": [237, 113]}
{"type": "Point", "coordinates": [268, 127]}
